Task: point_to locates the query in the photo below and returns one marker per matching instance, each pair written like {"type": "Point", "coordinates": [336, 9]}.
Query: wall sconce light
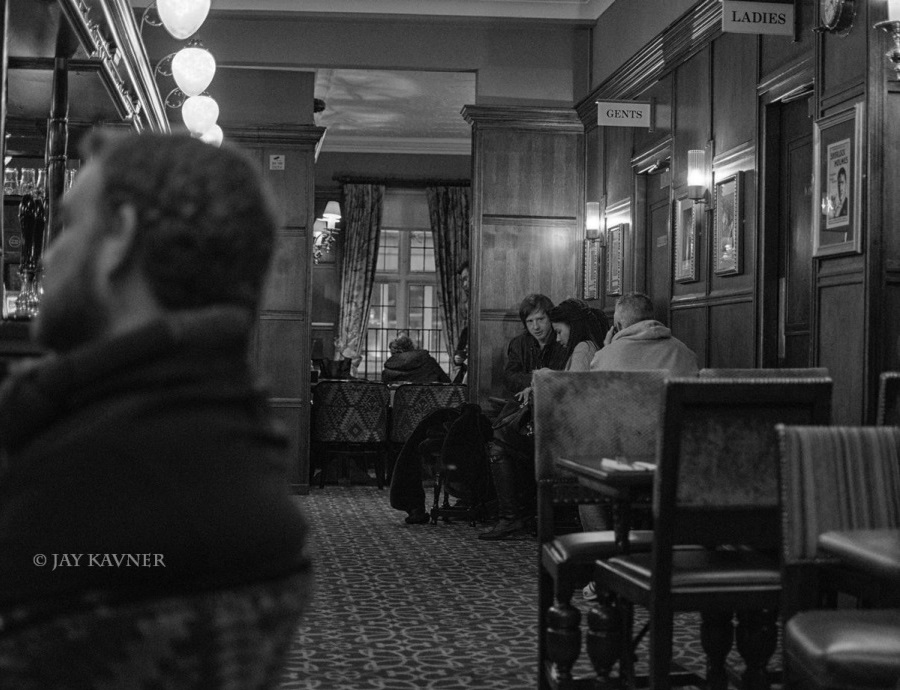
{"type": "Point", "coordinates": [696, 177]}
{"type": "Point", "coordinates": [593, 223]}
{"type": "Point", "coordinates": [892, 26]}
{"type": "Point", "coordinates": [324, 241]}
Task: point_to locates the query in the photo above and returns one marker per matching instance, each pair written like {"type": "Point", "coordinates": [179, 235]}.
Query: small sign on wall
{"type": "Point", "coordinates": [276, 161]}
{"type": "Point", "coordinates": [758, 18]}
{"type": "Point", "coordinates": [625, 114]}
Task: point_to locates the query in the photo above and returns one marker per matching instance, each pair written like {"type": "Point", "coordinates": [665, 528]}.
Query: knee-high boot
{"type": "Point", "coordinates": [505, 471]}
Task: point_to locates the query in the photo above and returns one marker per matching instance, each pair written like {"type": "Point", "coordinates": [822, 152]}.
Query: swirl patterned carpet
{"type": "Point", "coordinates": [420, 607]}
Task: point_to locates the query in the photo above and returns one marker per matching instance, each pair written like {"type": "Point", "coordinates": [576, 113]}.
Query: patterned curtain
{"type": "Point", "coordinates": [449, 211]}
{"type": "Point", "coordinates": [362, 226]}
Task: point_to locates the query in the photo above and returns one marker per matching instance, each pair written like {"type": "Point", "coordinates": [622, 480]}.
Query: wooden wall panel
{"type": "Point", "coordinates": [734, 89]}
{"type": "Point", "coordinates": [619, 184]}
{"type": "Point", "coordinates": [777, 52]}
{"type": "Point", "coordinates": [282, 358]}
{"type": "Point", "coordinates": [293, 417]}
{"type": "Point", "coordinates": [661, 93]}
{"type": "Point", "coordinates": [731, 334]}
{"type": "Point", "coordinates": [841, 344]}
{"type": "Point", "coordinates": [520, 259]}
{"type": "Point", "coordinates": [289, 184]}
{"type": "Point", "coordinates": [495, 331]}
{"type": "Point", "coordinates": [288, 277]}
{"type": "Point", "coordinates": [531, 174]}
{"type": "Point", "coordinates": [692, 112]}
{"type": "Point", "coordinates": [844, 59]}
{"type": "Point", "coordinates": [689, 325]}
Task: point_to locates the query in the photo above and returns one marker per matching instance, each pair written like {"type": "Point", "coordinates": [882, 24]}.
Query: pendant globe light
{"type": "Point", "coordinates": [213, 136]}
{"type": "Point", "coordinates": [199, 114]}
{"type": "Point", "coordinates": [182, 18]}
{"type": "Point", "coordinates": [193, 68]}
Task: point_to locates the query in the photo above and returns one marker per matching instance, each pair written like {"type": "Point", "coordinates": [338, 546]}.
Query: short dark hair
{"type": "Point", "coordinates": [205, 221]}
{"type": "Point", "coordinates": [633, 307]}
{"type": "Point", "coordinates": [464, 266]}
{"type": "Point", "coordinates": [532, 303]}
{"type": "Point", "coordinates": [402, 343]}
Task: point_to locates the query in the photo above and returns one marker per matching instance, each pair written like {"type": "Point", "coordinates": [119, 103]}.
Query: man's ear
{"type": "Point", "coordinates": [118, 242]}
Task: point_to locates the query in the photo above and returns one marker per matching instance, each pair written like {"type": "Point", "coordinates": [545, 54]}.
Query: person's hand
{"type": "Point", "coordinates": [609, 335]}
{"type": "Point", "coordinates": [458, 359]}
{"type": "Point", "coordinates": [523, 395]}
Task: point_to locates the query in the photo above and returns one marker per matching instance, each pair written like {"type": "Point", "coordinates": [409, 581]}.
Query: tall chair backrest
{"type": "Point", "coordinates": [717, 466]}
{"type": "Point", "coordinates": [607, 414]}
{"type": "Point", "coordinates": [415, 401]}
{"type": "Point", "coordinates": [790, 373]}
{"type": "Point", "coordinates": [350, 411]}
{"type": "Point", "coordinates": [889, 399]}
{"type": "Point", "coordinates": [833, 478]}
{"type": "Point", "coordinates": [228, 638]}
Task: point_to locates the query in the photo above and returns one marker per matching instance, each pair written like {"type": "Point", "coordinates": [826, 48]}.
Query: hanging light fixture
{"type": "Point", "coordinates": [199, 114]}
{"type": "Point", "coordinates": [182, 18]}
{"type": "Point", "coordinates": [213, 136]}
{"type": "Point", "coordinates": [193, 68]}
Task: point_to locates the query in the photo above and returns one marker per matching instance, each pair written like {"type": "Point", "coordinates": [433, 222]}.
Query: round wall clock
{"type": "Point", "coordinates": [836, 15]}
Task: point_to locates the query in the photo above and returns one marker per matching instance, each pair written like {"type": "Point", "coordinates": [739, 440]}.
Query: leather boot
{"type": "Point", "coordinates": [505, 471]}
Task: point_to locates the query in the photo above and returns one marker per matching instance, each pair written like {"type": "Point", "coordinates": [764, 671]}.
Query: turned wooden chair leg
{"type": "Point", "coordinates": [757, 638]}
{"type": "Point", "coordinates": [716, 638]}
{"type": "Point", "coordinates": [605, 639]}
{"type": "Point", "coordinates": [563, 638]}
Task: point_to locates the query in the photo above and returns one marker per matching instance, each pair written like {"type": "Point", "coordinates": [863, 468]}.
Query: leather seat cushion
{"type": "Point", "coordinates": [845, 648]}
{"type": "Point", "coordinates": [587, 547]}
{"type": "Point", "coordinates": [698, 567]}
{"type": "Point", "coordinates": [873, 551]}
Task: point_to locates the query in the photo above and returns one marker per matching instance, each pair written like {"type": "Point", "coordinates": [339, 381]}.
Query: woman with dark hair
{"type": "Point", "coordinates": [580, 330]}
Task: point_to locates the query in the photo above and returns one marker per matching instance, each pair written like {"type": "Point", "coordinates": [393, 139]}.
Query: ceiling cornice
{"type": "Point", "coordinates": [400, 145]}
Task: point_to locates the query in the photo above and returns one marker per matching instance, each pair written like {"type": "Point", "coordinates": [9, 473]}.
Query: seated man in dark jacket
{"type": "Point", "coordinates": [409, 364]}
{"type": "Point", "coordinates": [142, 438]}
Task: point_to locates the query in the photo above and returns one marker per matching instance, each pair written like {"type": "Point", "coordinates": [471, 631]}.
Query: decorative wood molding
{"type": "Point", "coordinates": [271, 315]}
{"type": "Point", "coordinates": [523, 117]}
{"type": "Point", "coordinates": [693, 31]}
{"type": "Point", "coordinates": [298, 135]}
{"type": "Point", "coordinates": [650, 160]}
{"type": "Point", "coordinates": [787, 80]}
{"type": "Point", "coordinates": [529, 221]}
{"type": "Point", "coordinates": [499, 315]}
{"type": "Point", "coordinates": [743, 155]}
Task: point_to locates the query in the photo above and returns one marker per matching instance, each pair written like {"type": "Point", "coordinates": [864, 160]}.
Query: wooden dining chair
{"type": "Point", "coordinates": [833, 478]}
{"type": "Point", "coordinates": [716, 526]}
{"type": "Point", "coordinates": [350, 420]}
{"type": "Point", "coordinates": [888, 399]}
{"type": "Point", "coordinates": [610, 414]}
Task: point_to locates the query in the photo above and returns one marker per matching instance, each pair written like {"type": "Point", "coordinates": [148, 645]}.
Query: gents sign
{"type": "Point", "coordinates": [758, 18]}
{"type": "Point", "coordinates": [625, 114]}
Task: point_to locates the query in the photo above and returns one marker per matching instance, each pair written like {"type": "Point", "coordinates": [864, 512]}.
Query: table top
{"type": "Point", "coordinates": [608, 476]}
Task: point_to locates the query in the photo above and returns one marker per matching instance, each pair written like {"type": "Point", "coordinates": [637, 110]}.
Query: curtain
{"type": "Point", "coordinates": [448, 208]}
{"type": "Point", "coordinates": [362, 225]}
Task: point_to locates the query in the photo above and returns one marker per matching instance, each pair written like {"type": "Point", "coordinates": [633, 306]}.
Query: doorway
{"type": "Point", "coordinates": [656, 184]}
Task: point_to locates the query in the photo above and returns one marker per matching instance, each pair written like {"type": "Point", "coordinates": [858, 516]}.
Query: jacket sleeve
{"type": "Point", "coordinates": [516, 374]}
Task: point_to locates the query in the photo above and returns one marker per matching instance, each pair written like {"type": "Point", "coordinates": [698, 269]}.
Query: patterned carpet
{"type": "Point", "coordinates": [420, 607]}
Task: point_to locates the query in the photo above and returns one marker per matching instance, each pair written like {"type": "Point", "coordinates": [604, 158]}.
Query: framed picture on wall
{"type": "Point", "coordinates": [615, 259]}
{"type": "Point", "coordinates": [837, 193]}
{"type": "Point", "coordinates": [591, 288]}
{"type": "Point", "coordinates": [685, 219]}
{"type": "Point", "coordinates": [729, 223]}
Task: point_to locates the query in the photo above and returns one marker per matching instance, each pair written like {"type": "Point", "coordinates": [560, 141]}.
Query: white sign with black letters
{"type": "Point", "coordinates": [758, 18]}
{"type": "Point", "coordinates": [625, 114]}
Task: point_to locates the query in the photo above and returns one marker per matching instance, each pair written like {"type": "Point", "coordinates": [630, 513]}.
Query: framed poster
{"type": "Point", "coordinates": [729, 223]}
{"type": "Point", "coordinates": [837, 192]}
{"type": "Point", "coordinates": [685, 219]}
{"type": "Point", "coordinates": [591, 289]}
{"type": "Point", "coordinates": [615, 259]}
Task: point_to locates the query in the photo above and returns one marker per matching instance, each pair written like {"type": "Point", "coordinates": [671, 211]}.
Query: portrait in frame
{"type": "Point", "coordinates": [837, 193]}
{"type": "Point", "coordinates": [727, 254]}
{"type": "Point", "coordinates": [591, 289]}
{"type": "Point", "coordinates": [685, 218]}
{"type": "Point", "coordinates": [615, 259]}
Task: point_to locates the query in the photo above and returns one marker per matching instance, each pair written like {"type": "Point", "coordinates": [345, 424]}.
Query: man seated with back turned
{"type": "Point", "coordinates": [139, 456]}
{"type": "Point", "coordinates": [636, 342]}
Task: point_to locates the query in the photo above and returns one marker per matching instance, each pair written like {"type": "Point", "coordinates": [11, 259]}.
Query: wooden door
{"type": "Point", "coordinates": [658, 254]}
{"type": "Point", "coordinates": [795, 236]}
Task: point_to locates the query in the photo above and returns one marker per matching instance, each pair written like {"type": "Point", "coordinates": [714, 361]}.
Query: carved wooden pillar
{"type": "Point", "coordinates": [56, 153]}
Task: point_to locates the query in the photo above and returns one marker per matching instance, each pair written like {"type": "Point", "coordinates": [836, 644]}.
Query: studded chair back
{"type": "Point", "coordinates": [415, 401]}
{"type": "Point", "coordinates": [833, 478]}
{"type": "Point", "coordinates": [889, 399]}
{"type": "Point", "coordinates": [230, 638]}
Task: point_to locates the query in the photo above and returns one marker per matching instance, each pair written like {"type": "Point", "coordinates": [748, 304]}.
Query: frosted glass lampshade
{"type": "Point", "coordinates": [182, 18]}
{"type": "Point", "coordinates": [696, 168]}
{"type": "Point", "coordinates": [213, 136]}
{"type": "Point", "coordinates": [199, 114]}
{"type": "Point", "coordinates": [193, 68]}
{"type": "Point", "coordinates": [332, 214]}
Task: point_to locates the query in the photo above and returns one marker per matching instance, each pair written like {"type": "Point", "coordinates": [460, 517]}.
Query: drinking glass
{"type": "Point", "coordinates": [10, 181]}
{"type": "Point", "coordinates": [27, 181]}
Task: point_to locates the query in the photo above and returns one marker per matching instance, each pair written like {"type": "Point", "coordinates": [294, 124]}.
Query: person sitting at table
{"type": "Point", "coordinates": [534, 348]}
{"type": "Point", "coordinates": [580, 331]}
{"type": "Point", "coordinates": [636, 342]}
{"type": "Point", "coordinates": [409, 364]}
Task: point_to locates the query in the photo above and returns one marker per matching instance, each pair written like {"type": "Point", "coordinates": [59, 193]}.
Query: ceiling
{"type": "Point", "coordinates": [381, 111]}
